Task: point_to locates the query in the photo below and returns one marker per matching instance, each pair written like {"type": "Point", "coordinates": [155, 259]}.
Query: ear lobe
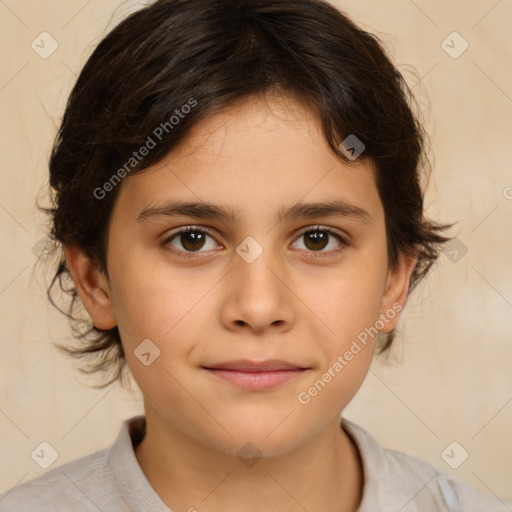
{"type": "Point", "coordinates": [397, 288]}
{"type": "Point", "coordinates": [92, 287]}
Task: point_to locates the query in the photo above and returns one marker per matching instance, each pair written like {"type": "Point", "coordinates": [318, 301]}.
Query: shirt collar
{"type": "Point", "coordinates": [392, 480]}
{"type": "Point", "coordinates": [132, 483]}
{"type": "Point", "coordinates": [382, 482]}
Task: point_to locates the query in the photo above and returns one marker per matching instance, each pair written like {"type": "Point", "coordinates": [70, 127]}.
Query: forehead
{"type": "Point", "coordinates": [255, 156]}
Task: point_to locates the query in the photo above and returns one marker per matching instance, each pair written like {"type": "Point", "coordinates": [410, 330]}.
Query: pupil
{"type": "Point", "coordinates": [319, 240]}
{"type": "Point", "coordinates": [192, 237]}
{"type": "Point", "coordinates": [194, 240]}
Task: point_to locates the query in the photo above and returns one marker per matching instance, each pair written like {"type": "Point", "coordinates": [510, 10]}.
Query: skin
{"type": "Point", "coordinates": [255, 158]}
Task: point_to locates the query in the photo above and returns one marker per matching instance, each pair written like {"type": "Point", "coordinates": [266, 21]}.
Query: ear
{"type": "Point", "coordinates": [92, 286]}
{"type": "Point", "coordinates": [396, 289]}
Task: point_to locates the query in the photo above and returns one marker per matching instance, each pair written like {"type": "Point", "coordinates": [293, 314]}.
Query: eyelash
{"type": "Point", "coordinates": [201, 229]}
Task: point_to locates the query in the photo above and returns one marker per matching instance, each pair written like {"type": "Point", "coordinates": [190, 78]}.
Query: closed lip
{"type": "Point", "coordinates": [246, 365]}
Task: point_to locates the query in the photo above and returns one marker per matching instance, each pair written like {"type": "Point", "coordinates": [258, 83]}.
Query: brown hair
{"type": "Point", "coordinates": [215, 53]}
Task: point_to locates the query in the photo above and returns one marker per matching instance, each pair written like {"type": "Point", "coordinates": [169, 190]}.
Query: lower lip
{"type": "Point", "coordinates": [257, 381]}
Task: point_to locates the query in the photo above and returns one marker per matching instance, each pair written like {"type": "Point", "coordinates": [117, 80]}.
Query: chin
{"type": "Point", "coordinates": [246, 446]}
{"type": "Point", "coordinates": [267, 434]}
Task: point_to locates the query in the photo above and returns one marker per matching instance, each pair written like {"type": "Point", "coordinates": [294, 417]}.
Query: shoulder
{"type": "Point", "coordinates": [108, 479]}
{"type": "Point", "coordinates": [65, 486]}
{"type": "Point", "coordinates": [397, 481]}
{"type": "Point", "coordinates": [452, 495]}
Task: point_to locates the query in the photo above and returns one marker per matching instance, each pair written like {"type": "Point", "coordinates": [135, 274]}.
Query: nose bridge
{"type": "Point", "coordinates": [258, 296]}
{"type": "Point", "coordinates": [256, 258]}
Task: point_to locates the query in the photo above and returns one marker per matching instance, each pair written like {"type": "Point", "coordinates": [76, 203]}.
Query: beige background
{"type": "Point", "coordinates": [450, 378]}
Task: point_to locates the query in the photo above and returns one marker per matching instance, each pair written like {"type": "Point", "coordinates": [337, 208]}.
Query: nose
{"type": "Point", "coordinates": [258, 296]}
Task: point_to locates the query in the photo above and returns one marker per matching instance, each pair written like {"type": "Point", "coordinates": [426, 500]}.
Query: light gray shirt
{"type": "Point", "coordinates": [111, 480]}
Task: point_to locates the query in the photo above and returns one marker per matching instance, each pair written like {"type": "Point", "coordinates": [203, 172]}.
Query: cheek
{"type": "Point", "coordinates": [161, 325]}
{"type": "Point", "coordinates": [151, 299]}
{"type": "Point", "coordinates": [348, 300]}
{"type": "Point", "coordinates": [350, 307]}
{"type": "Point", "coordinates": [161, 312]}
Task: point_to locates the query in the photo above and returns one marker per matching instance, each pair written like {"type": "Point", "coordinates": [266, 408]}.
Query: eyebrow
{"type": "Point", "coordinates": [300, 210]}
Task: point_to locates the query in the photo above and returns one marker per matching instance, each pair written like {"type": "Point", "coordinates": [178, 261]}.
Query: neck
{"type": "Point", "coordinates": [325, 473]}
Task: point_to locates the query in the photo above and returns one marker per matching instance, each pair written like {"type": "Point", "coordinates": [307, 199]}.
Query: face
{"type": "Point", "coordinates": [250, 326]}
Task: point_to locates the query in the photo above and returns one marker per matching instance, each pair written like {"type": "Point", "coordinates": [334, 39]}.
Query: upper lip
{"type": "Point", "coordinates": [245, 365]}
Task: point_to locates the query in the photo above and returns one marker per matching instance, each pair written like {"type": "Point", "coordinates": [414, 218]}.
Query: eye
{"type": "Point", "coordinates": [193, 239]}
{"type": "Point", "coordinates": [190, 240]}
{"type": "Point", "coordinates": [318, 238]}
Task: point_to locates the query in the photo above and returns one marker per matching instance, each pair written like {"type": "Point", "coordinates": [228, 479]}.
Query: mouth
{"type": "Point", "coordinates": [256, 376]}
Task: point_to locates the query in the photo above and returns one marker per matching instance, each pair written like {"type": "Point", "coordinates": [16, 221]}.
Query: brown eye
{"type": "Point", "coordinates": [317, 239]}
{"type": "Point", "coordinates": [190, 240]}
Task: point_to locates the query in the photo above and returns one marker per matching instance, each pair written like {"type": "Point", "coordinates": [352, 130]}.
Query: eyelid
{"type": "Point", "coordinates": [170, 236]}
{"type": "Point", "coordinates": [189, 227]}
{"type": "Point", "coordinates": [342, 238]}
{"type": "Point", "coordinates": [320, 227]}
{"type": "Point", "coordinates": [209, 231]}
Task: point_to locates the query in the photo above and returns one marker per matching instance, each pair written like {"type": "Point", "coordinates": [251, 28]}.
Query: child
{"type": "Point", "coordinates": [237, 195]}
